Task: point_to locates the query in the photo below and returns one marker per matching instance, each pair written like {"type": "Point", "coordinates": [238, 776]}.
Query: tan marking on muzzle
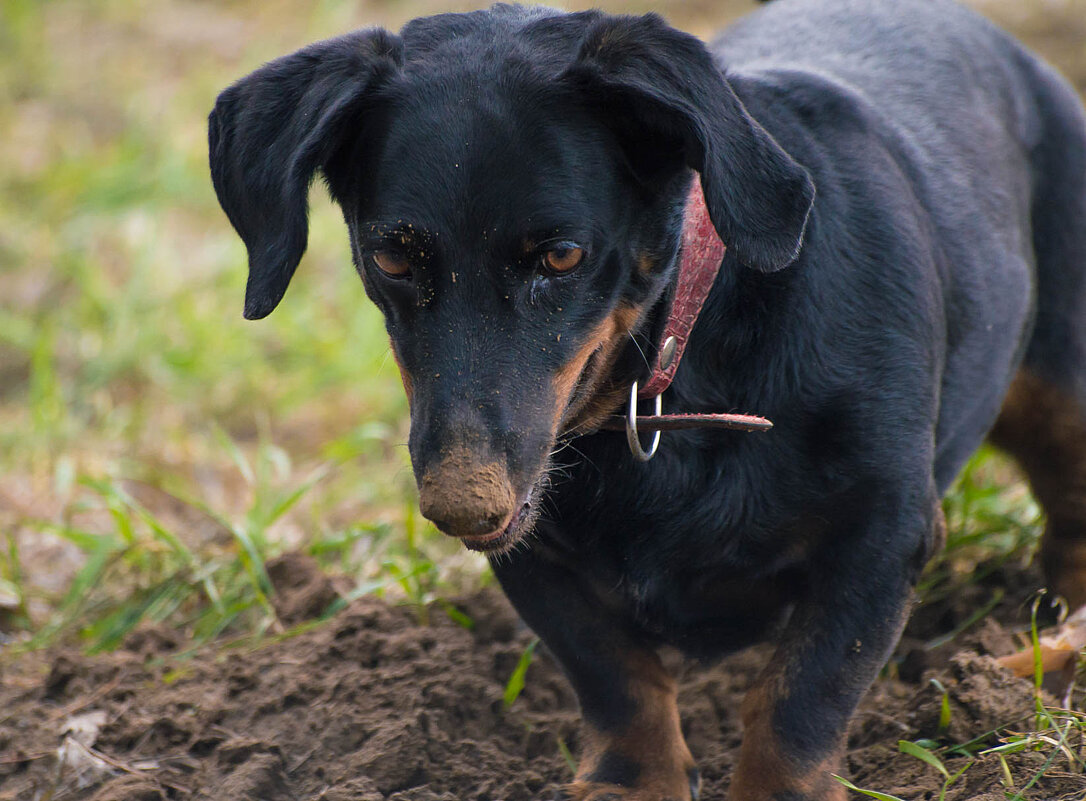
{"type": "Point", "coordinates": [465, 496]}
{"type": "Point", "coordinates": [606, 339]}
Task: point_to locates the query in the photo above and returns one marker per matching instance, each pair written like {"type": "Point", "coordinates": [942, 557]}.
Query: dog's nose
{"type": "Point", "coordinates": [465, 497]}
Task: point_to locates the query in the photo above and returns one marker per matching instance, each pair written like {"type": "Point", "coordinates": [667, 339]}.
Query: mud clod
{"type": "Point", "coordinates": [260, 778]}
{"type": "Point", "coordinates": [60, 676]}
{"type": "Point", "coordinates": [302, 590]}
{"type": "Point", "coordinates": [982, 695]}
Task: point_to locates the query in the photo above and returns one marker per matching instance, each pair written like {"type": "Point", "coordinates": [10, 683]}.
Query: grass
{"type": "Point", "coordinates": [992, 520]}
{"type": "Point", "coordinates": [1058, 734]}
{"type": "Point", "coordinates": [155, 448]}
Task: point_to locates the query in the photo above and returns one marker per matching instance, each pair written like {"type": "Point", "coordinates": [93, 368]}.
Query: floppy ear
{"type": "Point", "coordinates": [268, 135]}
{"type": "Point", "coordinates": [664, 84]}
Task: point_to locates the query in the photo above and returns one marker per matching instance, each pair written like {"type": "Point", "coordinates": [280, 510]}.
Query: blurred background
{"type": "Point", "coordinates": [155, 448]}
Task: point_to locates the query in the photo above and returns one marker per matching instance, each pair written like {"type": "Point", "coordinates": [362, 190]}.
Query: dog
{"type": "Point", "coordinates": [900, 193]}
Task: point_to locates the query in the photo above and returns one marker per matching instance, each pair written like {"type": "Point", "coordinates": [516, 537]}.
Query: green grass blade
{"type": "Point", "coordinates": [869, 793]}
{"type": "Point", "coordinates": [118, 495]}
{"type": "Point", "coordinates": [923, 754]}
{"type": "Point", "coordinates": [457, 616]}
{"type": "Point", "coordinates": [253, 561]}
{"type": "Point", "coordinates": [243, 465]}
{"type": "Point", "coordinates": [86, 541]}
{"type": "Point", "coordinates": [515, 685]}
{"type": "Point", "coordinates": [108, 632]}
{"type": "Point", "coordinates": [1035, 642]}
{"type": "Point", "coordinates": [78, 594]}
{"type": "Point", "coordinates": [978, 614]}
{"type": "Point", "coordinates": [571, 763]}
{"type": "Point", "coordinates": [284, 505]}
{"type": "Point", "coordinates": [11, 597]}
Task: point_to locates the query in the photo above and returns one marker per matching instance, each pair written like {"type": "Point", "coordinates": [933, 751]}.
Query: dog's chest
{"type": "Point", "coordinates": [689, 576]}
{"type": "Point", "coordinates": [706, 616]}
{"type": "Point", "coordinates": [706, 598]}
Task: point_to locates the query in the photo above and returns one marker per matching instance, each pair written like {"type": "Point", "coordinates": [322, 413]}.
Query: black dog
{"type": "Point", "coordinates": [902, 191]}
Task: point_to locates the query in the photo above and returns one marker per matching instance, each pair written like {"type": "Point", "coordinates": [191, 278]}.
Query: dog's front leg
{"type": "Point", "coordinates": [633, 748]}
{"type": "Point", "coordinates": [796, 715]}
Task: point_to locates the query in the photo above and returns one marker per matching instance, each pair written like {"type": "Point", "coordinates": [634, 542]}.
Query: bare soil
{"type": "Point", "coordinates": [395, 703]}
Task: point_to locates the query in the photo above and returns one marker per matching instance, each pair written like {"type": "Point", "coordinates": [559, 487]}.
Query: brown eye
{"type": "Point", "coordinates": [563, 259]}
{"type": "Point", "coordinates": [391, 264]}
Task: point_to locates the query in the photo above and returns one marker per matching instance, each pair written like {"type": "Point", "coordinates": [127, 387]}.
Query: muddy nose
{"type": "Point", "coordinates": [467, 498]}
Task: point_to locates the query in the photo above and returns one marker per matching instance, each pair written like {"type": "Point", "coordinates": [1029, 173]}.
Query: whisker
{"type": "Point", "coordinates": [583, 455]}
{"type": "Point", "coordinates": [633, 339]}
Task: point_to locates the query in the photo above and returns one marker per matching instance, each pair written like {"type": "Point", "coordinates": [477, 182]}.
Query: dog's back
{"type": "Point", "coordinates": [993, 142]}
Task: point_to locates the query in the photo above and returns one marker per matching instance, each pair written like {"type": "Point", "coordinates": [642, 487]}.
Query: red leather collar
{"type": "Point", "coordinates": [701, 255]}
{"type": "Point", "coordinates": [700, 259]}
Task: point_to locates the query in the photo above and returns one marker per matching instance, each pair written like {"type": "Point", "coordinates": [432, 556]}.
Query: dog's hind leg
{"type": "Point", "coordinates": [1043, 421]}
{"type": "Point", "coordinates": [1043, 425]}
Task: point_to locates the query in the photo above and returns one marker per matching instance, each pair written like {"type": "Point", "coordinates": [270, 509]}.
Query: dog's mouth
{"type": "Point", "coordinates": [520, 522]}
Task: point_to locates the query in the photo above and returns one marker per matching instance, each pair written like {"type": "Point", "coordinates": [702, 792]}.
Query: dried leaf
{"type": "Point", "coordinates": [1059, 648]}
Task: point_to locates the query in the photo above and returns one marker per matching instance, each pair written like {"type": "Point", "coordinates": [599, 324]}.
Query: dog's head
{"type": "Point", "coordinates": [513, 182]}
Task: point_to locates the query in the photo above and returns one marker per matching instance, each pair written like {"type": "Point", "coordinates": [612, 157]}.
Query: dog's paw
{"type": "Point", "coordinates": [595, 791]}
{"type": "Point", "coordinates": [579, 791]}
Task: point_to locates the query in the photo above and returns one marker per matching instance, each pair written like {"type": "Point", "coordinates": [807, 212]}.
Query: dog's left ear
{"type": "Point", "coordinates": [271, 131]}
{"type": "Point", "coordinates": [665, 85]}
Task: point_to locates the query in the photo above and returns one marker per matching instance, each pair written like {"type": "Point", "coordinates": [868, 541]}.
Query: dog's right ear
{"type": "Point", "coordinates": [268, 135]}
{"type": "Point", "coordinates": [665, 92]}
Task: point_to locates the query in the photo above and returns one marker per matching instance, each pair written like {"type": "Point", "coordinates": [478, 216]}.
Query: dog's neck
{"type": "Point", "coordinates": [699, 264]}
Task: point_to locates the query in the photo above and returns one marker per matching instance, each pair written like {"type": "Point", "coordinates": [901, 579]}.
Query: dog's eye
{"type": "Point", "coordinates": [391, 264]}
{"type": "Point", "coordinates": [563, 258]}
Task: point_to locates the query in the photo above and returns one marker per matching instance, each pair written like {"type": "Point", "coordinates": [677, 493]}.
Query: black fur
{"type": "Point", "coordinates": [269, 134]}
{"type": "Point", "coordinates": [944, 248]}
{"type": "Point", "coordinates": [659, 81]}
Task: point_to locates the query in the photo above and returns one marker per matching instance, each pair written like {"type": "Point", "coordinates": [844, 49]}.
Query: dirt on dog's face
{"type": "Point", "coordinates": [502, 235]}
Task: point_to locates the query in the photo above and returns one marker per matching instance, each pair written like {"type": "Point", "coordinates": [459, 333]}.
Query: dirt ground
{"type": "Point", "coordinates": [373, 706]}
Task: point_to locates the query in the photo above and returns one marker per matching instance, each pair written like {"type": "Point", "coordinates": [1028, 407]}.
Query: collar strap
{"type": "Point", "coordinates": [702, 253]}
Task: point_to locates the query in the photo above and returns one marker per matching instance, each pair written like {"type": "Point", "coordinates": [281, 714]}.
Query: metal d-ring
{"type": "Point", "coordinates": [631, 427]}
